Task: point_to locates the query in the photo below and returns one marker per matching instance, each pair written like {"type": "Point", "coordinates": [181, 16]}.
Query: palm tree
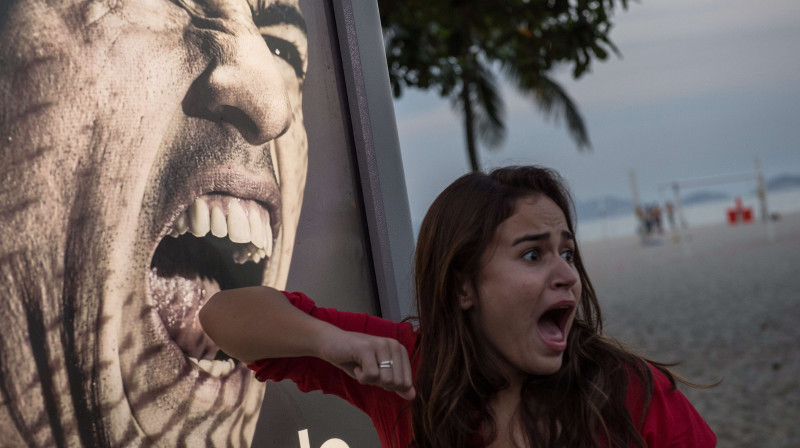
{"type": "Point", "coordinates": [459, 46]}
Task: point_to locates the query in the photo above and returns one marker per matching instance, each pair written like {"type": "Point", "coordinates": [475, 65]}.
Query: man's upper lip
{"type": "Point", "coordinates": [231, 180]}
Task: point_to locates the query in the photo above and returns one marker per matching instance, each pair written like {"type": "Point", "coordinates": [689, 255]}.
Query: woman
{"type": "Point", "coordinates": [509, 349]}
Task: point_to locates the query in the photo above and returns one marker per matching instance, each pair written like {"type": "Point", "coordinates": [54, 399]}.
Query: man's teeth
{"type": "Point", "coordinates": [214, 367]}
{"type": "Point", "coordinates": [257, 231]}
{"type": "Point", "coordinates": [199, 219]}
{"type": "Point", "coordinates": [238, 225]}
{"type": "Point", "coordinates": [229, 217]}
{"type": "Point", "coordinates": [182, 225]}
{"type": "Point", "coordinates": [219, 225]}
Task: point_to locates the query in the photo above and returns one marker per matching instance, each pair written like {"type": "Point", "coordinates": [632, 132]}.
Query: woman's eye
{"type": "Point", "coordinates": [531, 255]}
{"type": "Point", "coordinates": [286, 51]}
{"type": "Point", "coordinates": [568, 255]}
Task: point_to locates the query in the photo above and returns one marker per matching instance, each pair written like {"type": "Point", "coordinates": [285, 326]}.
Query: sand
{"type": "Point", "coordinates": [727, 305]}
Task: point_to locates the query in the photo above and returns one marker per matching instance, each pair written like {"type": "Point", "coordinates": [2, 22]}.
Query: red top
{"type": "Point", "coordinates": [671, 421]}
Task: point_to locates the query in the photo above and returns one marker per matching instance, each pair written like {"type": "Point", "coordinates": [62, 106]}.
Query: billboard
{"type": "Point", "coordinates": [153, 152]}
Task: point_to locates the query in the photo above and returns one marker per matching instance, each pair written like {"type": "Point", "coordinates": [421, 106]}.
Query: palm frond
{"type": "Point", "coordinates": [490, 110]}
{"type": "Point", "coordinates": [552, 100]}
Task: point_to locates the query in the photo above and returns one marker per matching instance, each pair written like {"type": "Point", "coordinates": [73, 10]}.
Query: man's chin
{"type": "Point", "coordinates": [170, 397]}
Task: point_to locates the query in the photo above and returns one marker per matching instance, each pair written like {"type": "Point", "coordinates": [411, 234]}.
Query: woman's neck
{"type": "Point", "coordinates": [504, 408]}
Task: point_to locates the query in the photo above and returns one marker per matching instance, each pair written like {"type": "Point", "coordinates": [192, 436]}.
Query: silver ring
{"type": "Point", "coordinates": [385, 364]}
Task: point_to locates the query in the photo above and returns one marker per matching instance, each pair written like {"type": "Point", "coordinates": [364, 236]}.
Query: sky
{"type": "Point", "coordinates": [702, 87]}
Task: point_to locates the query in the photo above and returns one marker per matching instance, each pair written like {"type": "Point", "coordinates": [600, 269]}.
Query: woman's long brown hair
{"type": "Point", "coordinates": [580, 405]}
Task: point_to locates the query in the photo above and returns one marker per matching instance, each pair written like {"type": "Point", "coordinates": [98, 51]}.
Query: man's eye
{"type": "Point", "coordinates": [568, 255]}
{"type": "Point", "coordinates": [531, 255]}
{"type": "Point", "coordinates": [286, 51]}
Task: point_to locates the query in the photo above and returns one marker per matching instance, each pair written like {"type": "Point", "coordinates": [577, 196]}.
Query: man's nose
{"type": "Point", "coordinates": [244, 88]}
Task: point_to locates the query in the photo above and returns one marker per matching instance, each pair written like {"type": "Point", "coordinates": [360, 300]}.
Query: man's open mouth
{"type": "Point", "coordinates": [219, 242]}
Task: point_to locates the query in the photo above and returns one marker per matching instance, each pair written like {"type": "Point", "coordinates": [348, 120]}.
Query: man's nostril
{"type": "Point", "coordinates": [241, 121]}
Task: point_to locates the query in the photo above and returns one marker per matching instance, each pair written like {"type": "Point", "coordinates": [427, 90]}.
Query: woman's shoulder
{"type": "Point", "coordinates": [665, 416]}
{"type": "Point", "coordinates": [646, 383]}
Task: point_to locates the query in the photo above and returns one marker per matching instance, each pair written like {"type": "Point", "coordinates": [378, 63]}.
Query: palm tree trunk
{"type": "Point", "coordinates": [469, 125]}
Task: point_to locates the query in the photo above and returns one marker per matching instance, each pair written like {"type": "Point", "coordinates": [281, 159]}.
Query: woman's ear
{"type": "Point", "coordinates": [466, 294]}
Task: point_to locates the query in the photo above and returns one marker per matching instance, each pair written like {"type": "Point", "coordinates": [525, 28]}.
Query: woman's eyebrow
{"type": "Point", "coordinates": [281, 14]}
{"type": "Point", "coordinates": [531, 237]}
{"type": "Point", "coordinates": [567, 235]}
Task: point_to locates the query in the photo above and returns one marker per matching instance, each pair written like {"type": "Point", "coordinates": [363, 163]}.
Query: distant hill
{"type": "Point", "coordinates": [613, 206]}
{"type": "Point", "coordinates": [783, 182]}
{"type": "Point", "coordinates": [605, 206]}
{"type": "Point", "coordinates": [700, 197]}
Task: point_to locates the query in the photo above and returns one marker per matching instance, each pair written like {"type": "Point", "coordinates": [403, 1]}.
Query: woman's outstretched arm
{"type": "Point", "coordinates": [259, 322]}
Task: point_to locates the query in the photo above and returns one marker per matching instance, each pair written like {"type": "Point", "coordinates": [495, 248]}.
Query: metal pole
{"type": "Point", "coordinates": [637, 208]}
{"type": "Point", "coordinates": [762, 200]}
{"type": "Point", "coordinates": [669, 210]}
{"type": "Point", "coordinates": [682, 224]}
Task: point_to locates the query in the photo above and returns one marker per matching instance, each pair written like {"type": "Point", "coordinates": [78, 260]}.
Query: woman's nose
{"type": "Point", "coordinates": [564, 274]}
{"type": "Point", "coordinates": [244, 88]}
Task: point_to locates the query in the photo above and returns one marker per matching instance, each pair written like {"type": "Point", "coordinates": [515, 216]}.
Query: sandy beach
{"type": "Point", "coordinates": [727, 306]}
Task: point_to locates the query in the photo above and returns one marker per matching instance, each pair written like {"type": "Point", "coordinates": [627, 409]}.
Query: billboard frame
{"type": "Point", "coordinates": [377, 146]}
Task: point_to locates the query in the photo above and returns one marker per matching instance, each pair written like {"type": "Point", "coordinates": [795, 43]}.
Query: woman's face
{"type": "Point", "coordinates": [524, 298]}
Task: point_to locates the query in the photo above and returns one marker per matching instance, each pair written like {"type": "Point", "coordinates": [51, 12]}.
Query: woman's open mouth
{"type": "Point", "coordinates": [219, 242]}
{"type": "Point", "coordinates": [554, 326]}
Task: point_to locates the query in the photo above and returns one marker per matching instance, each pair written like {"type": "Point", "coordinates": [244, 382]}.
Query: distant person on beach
{"type": "Point", "coordinates": [641, 217]}
{"type": "Point", "coordinates": [509, 350]}
{"type": "Point", "coordinates": [657, 218]}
